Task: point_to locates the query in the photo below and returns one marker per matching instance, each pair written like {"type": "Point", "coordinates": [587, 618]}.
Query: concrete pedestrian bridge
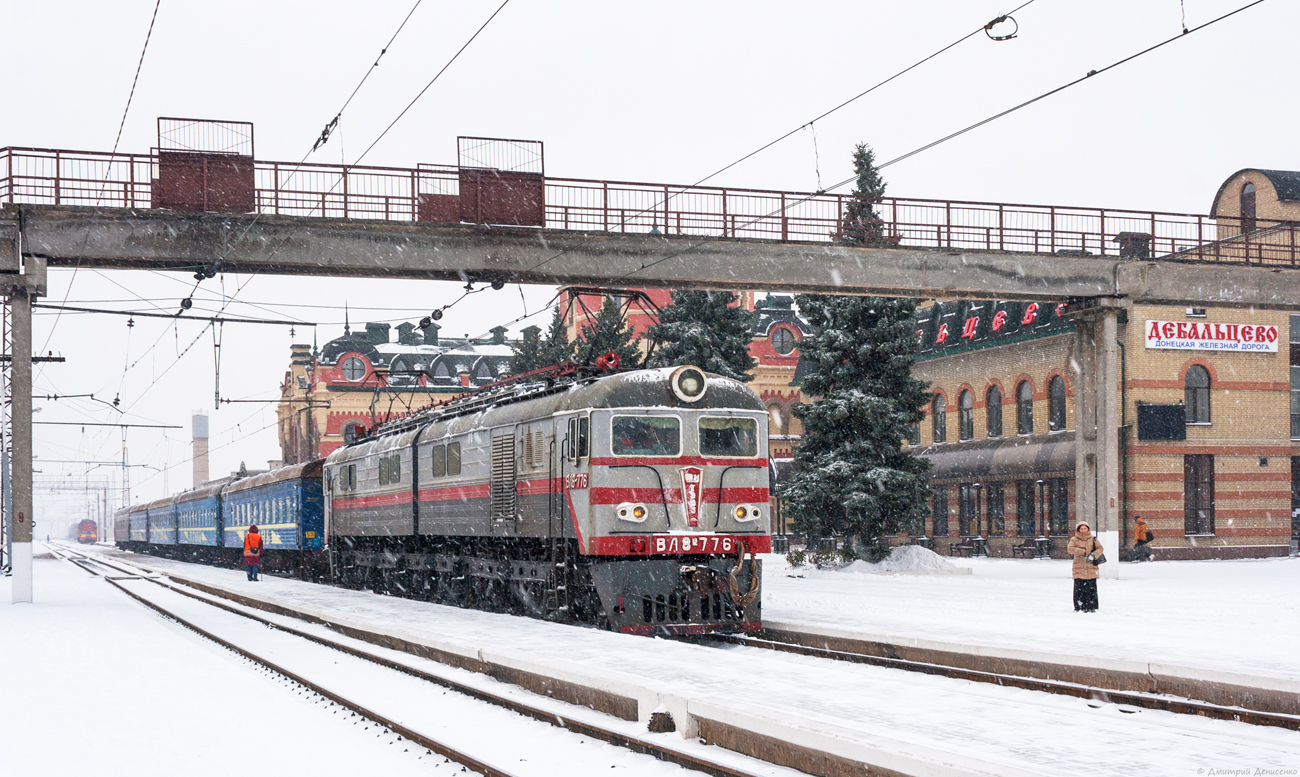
{"type": "Point", "coordinates": [202, 197]}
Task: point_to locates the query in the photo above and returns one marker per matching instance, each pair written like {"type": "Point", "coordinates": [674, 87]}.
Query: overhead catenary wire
{"type": "Point", "coordinates": [254, 220]}
{"type": "Point", "coordinates": [659, 203]}
{"type": "Point", "coordinates": [116, 142]}
{"type": "Point", "coordinates": [1091, 73]}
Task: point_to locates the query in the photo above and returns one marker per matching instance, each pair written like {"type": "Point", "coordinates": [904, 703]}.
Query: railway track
{"type": "Point", "coordinates": [117, 573]}
{"type": "Point", "coordinates": [1143, 700]}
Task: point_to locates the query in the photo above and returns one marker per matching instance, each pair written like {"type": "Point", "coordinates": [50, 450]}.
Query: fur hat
{"type": "Point", "coordinates": [1082, 523]}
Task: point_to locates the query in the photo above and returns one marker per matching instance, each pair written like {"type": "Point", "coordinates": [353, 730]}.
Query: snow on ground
{"type": "Point", "coordinates": [1234, 616]}
{"type": "Point", "coordinates": [93, 683]}
{"type": "Point", "coordinates": [903, 559]}
{"type": "Point", "coordinates": [1002, 726]}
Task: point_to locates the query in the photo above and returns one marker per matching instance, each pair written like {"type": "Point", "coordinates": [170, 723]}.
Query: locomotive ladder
{"type": "Point", "coordinates": [557, 600]}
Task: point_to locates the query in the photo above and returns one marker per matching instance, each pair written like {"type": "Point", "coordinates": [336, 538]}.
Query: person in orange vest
{"type": "Point", "coordinates": [1141, 536]}
{"type": "Point", "coordinates": [252, 553]}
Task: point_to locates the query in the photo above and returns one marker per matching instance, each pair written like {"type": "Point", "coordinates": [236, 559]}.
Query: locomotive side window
{"type": "Point", "coordinates": [352, 477]}
{"type": "Point", "coordinates": [579, 438]}
{"type": "Point", "coordinates": [440, 461]}
{"type": "Point", "coordinates": [453, 458]}
{"type": "Point", "coordinates": [383, 471]}
{"type": "Point", "coordinates": [728, 437]}
{"type": "Point", "coordinates": [646, 435]}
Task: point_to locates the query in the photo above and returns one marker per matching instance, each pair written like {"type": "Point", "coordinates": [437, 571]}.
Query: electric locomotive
{"type": "Point", "coordinates": [626, 500]}
{"type": "Point", "coordinates": [87, 532]}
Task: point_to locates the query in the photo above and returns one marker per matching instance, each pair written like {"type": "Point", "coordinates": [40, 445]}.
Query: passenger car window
{"type": "Point", "coordinates": [645, 435]}
{"type": "Point", "coordinates": [453, 458]}
{"type": "Point", "coordinates": [728, 437]}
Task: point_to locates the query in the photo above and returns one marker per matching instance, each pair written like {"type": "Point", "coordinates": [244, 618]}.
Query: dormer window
{"type": "Point", "coordinates": [353, 369]}
{"type": "Point", "coordinates": [783, 341]}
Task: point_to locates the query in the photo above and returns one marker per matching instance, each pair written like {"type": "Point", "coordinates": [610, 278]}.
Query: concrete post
{"type": "Point", "coordinates": [20, 308]}
{"type": "Point", "coordinates": [1096, 419]}
{"type": "Point", "coordinates": [1108, 484]}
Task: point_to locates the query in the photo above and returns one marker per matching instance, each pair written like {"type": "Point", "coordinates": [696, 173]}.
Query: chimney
{"type": "Point", "coordinates": [431, 334]}
{"type": "Point", "coordinates": [498, 335]}
{"type": "Point", "coordinates": [200, 421]}
{"type": "Point", "coordinates": [406, 334]}
{"type": "Point", "coordinates": [377, 333]}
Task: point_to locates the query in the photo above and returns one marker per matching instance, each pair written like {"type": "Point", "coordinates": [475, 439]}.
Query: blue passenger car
{"type": "Point", "coordinates": [286, 504]}
{"type": "Point", "coordinates": [162, 521]}
{"type": "Point", "coordinates": [198, 514]}
{"type": "Point", "coordinates": [138, 520]}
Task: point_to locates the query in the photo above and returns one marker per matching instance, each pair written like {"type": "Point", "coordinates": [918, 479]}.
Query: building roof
{"type": "Point", "coordinates": [442, 359]}
{"type": "Point", "coordinates": [1285, 182]}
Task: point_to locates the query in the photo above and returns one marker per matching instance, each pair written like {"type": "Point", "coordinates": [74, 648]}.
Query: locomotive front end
{"type": "Point", "coordinates": [676, 497]}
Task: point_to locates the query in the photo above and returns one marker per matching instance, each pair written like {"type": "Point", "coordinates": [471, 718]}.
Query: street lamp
{"type": "Point", "coordinates": [979, 546]}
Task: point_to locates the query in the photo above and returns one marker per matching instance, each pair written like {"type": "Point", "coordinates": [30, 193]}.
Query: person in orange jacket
{"type": "Point", "coordinates": [1141, 536]}
{"type": "Point", "coordinates": [252, 553]}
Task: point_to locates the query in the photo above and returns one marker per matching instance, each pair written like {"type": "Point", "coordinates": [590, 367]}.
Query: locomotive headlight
{"type": "Point", "coordinates": [631, 511]}
{"type": "Point", "coordinates": [688, 383]}
{"type": "Point", "coordinates": [747, 513]}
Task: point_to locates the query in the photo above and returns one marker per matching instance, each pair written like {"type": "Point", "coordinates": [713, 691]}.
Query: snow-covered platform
{"type": "Point", "coordinates": [915, 723]}
{"type": "Point", "coordinates": [93, 683]}
{"type": "Point", "coordinates": [1240, 616]}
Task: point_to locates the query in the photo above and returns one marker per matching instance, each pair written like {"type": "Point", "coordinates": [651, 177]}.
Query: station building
{"type": "Point", "coordinates": [1210, 412]}
{"type": "Point", "coordinates": [364, 378]}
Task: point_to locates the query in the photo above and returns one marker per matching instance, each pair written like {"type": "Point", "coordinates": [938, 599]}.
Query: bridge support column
{"type": "Point", "coordinates": [1096, 420]}
{"type": "Point", "coordinates": [20, 309]}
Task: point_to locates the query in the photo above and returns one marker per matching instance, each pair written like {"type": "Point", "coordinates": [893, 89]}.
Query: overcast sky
{"type": "Point", "coordinates": [643, 91]}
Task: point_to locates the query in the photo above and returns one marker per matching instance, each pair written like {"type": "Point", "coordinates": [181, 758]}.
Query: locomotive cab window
{"type": "Point", "coordinates": [645, 435]}
{"type": "Point", "coordinates": [579, 438]}
{"type": "Point", "coordinates": [728, 437]}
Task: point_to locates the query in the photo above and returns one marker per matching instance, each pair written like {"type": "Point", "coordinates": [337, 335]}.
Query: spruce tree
{"type": "Point", "coordinates": [706, 329]}
{"type": "Point", "coordinates": [555, 348]}
{"type": "Point", "coordinates": [609, 333]}
{"type": "Point", "coordinates": [862, 224]}
{"type": "Point", "coordinates": [528, 351]}
{"type": "Point", "coordinates": [852, 476]}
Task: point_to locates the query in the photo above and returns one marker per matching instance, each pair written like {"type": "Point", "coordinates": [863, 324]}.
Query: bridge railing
{"type": "Point", "coordinates": [62, 177]}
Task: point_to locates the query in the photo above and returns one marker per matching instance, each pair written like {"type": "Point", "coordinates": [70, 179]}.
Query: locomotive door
{"type": "Point", "coordinates": [575, 473]}
{"type": "Point", "coordinates": [504, 492]}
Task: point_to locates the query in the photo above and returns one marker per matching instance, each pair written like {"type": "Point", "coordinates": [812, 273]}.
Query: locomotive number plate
{"type": "Point", "coordinates": [678, 543]}
{"type": "Point", "coordinates": [575, 480]}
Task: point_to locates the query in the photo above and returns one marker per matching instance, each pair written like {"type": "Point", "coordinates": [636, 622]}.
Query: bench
{"type": "Point", "coordinates": [1027, 549]}
{"type": "Point", "coordinates": [961, 549]}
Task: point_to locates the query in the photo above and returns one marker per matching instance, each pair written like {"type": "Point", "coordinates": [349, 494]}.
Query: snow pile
{"type": "Point", "coordinates": [904, 558]}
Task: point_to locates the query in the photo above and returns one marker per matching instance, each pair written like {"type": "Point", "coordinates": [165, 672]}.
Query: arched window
{"type": "Point", "coordinates": [939, 415]}
{"type": "Point", "coordinates": [350, 432]}
{"type": "Point", "coordinates": [441, 373]}
{"type": "Point", "coordinates": [1248, 207]}
{"type": "Point", "coordinates": [1056, 404]}
{"type": "Point", "coordinates": [1196, 394]}
{"type": "Point", "coordinates": [993, 407]}
{"type": "Point", "coordinates": [353, 369]}
{"type": "Point", "coordinates": [965, 416]}
{"type": "Point", "coordinates": [1024, 408]}
{"type": "Point", "coordinates": [782, 340]}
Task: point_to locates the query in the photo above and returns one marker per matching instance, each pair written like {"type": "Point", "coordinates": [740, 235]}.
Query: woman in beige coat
{"type": "Point", "coordinates": [1084, 547]}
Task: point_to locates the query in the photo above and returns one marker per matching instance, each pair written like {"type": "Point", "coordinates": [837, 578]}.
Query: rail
{"type": "Point", "coordinates": [449, 193]}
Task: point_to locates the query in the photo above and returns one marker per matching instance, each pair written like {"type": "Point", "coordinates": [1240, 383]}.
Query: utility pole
{"type": "Point", "coordinates": [20, 308]}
